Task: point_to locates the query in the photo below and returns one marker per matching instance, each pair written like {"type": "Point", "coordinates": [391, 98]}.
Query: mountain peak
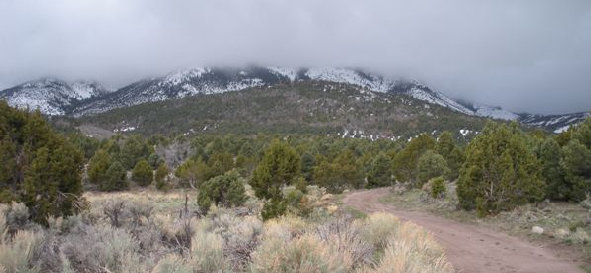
{"type": "Point", "coordinates": [51, 96]}
{"type": "Point", "coordinates": [57, 97]}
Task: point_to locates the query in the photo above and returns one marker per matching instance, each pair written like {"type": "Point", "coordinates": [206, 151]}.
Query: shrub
{"type": "Point", "coordinates": [114, 210]}
{"type": "Point", "coordinates": [172, 263]}
{"type": "Point", "coordinates": [101, 248]}
{"type": "Point", "coordinates": [142, 173]}
{"type": "Point", "coordinates": [412, 250]}
{"type": "Point", "coordinates": [431, 165]}
{"type": "Point", "coordinates": [273, 208]}
{"type": "Point", "coordinates": [225, 190]}
{"type": "Point", "coordinates": [115, 178]}
{"type": "Point", "coordinates": [17, 216]}
{"type": "Point", "coordinates": [304, 254]}
{"type": "Point", "coordinates": [298, 203]}
{"type": "Point", "coordinates": [16, 255]}
{"type": "Point", "coordinates": [97, 166]}
{"type": "Point", "coordinates": [437, 187]}
{"type": "Point", "coordinates": [377, 228]}
{"type": "Point", "coordinates": [380, 174]}
{"type": "Point", "coordinates": [241, 239]}
{"type": "Point", "coordinates": [160, 177]}
{"type": "Point", "coordinates": [207, 252]}
{"type": "Point", "coordinates": [192, 173]}
{"type": "Point", "coordinates": [346, 242]}
{"type": "Point", "coordinates": [285, 227]}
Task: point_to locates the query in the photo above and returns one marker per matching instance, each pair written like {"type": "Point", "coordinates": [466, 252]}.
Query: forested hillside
{"type": "Point", "coordinates": [301, 108]}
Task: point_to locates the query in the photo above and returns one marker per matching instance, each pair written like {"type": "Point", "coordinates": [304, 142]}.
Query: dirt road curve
{"type": "Point", "coordinates": [472, 249]}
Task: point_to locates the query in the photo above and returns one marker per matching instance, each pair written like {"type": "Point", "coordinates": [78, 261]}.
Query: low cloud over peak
{"type": "Point", "coordinates": [523, 55]}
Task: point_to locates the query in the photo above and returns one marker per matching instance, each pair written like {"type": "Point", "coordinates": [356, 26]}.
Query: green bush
{"type": "Point", "coordinates": [430, 165]}
{"type": "Point", "coordinates": [115, 178]}
{"type": "Point", "coordinates": [142, 173]}
{"type": "Point", "coordinates": [225, 190]}
{"type": "Point", "coordinates": [437, 187]}
{"type": "Point", "coordinates": [273, 208]}
{"type": "Point", "coordinates": [160, 177]}
{"type": "Point", "coordinates": [380, 174]}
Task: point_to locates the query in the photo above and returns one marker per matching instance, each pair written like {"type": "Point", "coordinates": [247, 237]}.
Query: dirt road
{"type": "Point", "coordinates": [472, 249]}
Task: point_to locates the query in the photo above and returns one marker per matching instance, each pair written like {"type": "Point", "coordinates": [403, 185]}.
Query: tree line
{"type": "Point", "coordinates": [502, 167]}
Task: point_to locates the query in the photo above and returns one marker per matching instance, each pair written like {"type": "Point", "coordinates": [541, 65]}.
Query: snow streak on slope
{"type": "Point", "coordinates": [350, 76]}
{"type": "Point", "coordinates": [288, 72]}
{"type": "Point", "coordinates": [554, 123]}
{"type": "Point", "coordinates": [425, 94]}
{"type": "Point", "coordinates": [495, 112]}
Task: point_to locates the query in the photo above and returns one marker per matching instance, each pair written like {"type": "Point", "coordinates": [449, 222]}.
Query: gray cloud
{"type": "Point", "coordinates": [523, 55]}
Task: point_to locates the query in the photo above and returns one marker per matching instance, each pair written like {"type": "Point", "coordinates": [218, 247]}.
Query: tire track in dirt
{"type": "Point", "coordinates": [470, 248]}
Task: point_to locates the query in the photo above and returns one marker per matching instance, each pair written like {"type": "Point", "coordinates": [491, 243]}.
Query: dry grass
{"type": "Point", "coordinates": [151, 235]}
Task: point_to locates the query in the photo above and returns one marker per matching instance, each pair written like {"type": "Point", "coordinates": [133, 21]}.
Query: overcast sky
{"type": "Point", "coordinates": [523, 55]}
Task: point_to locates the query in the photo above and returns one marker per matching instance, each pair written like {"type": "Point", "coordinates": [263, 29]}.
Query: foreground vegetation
{"type": "Point", "coordinates": [257, 203]}
{"type": "Point", "coordinates": [155, 232]}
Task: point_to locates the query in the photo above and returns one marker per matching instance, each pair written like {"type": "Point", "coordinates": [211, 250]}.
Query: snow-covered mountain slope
{"type": "Point", "coordinates": [218, 80]}
{"type": "Point", "coordinates": [51, 96]}
{"type": "Point", "coordinates": [182, 84]}
{"type": "Point", "coordinates": [494, 112]}
{"type": "Point", "coordinates": [554, 123]}
{"type": "Point", "coordinates": [55, 97]}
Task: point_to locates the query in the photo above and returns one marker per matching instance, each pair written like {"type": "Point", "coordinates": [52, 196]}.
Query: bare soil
{"type": "Point", "coordinates": [471, 248]}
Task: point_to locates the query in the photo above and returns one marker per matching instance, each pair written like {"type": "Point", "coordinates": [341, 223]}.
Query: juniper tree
{"type": "Point", "coordinates": [430, 165]}
{"type": "Point", "coordinates": [142, 173]}
{"type": "Point", "coordinates": [380, 174]}
{"type": "Point", "coordinates": [52, 182]}
{"type": "Point", "coordinates": [115, 178]}
{"type": "Point", "coordinates": [97, 167]}
{"type": "Point", "coordinates": [225, 190]}
{"type": "Point", "coordinates": [405, 162]}
{"type": "Point", "coordinates": [550, 154]}
{"type": "Point", "coordinates": [192, 172]}
{"type": "Point", "coordinates": [38, 166]}
{"type": "Point", "coordinates": [160, 177]}
{"type": "Point", "coordinates": [453, 155]}
{"type": "Point", "coordinates": [576, 162]}
{"type": "Point", "coordinates": [279, 166]}
{"type": "Point", "coordinates": [500, 171]}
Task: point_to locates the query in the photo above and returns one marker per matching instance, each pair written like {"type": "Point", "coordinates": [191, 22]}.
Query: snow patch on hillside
{"type": "Point", "coordinates": [183, 76]}
{"type": "Point", "coordinates": [350, 76]}
{"type": "Point", "coordinates": [561, 129]}
{"type": "Point", "coordinates": [438, 98]}
{"type": "Point", "coordinates": [495, 113]}
{"type": "Point", "coordinates": [289, 72]}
